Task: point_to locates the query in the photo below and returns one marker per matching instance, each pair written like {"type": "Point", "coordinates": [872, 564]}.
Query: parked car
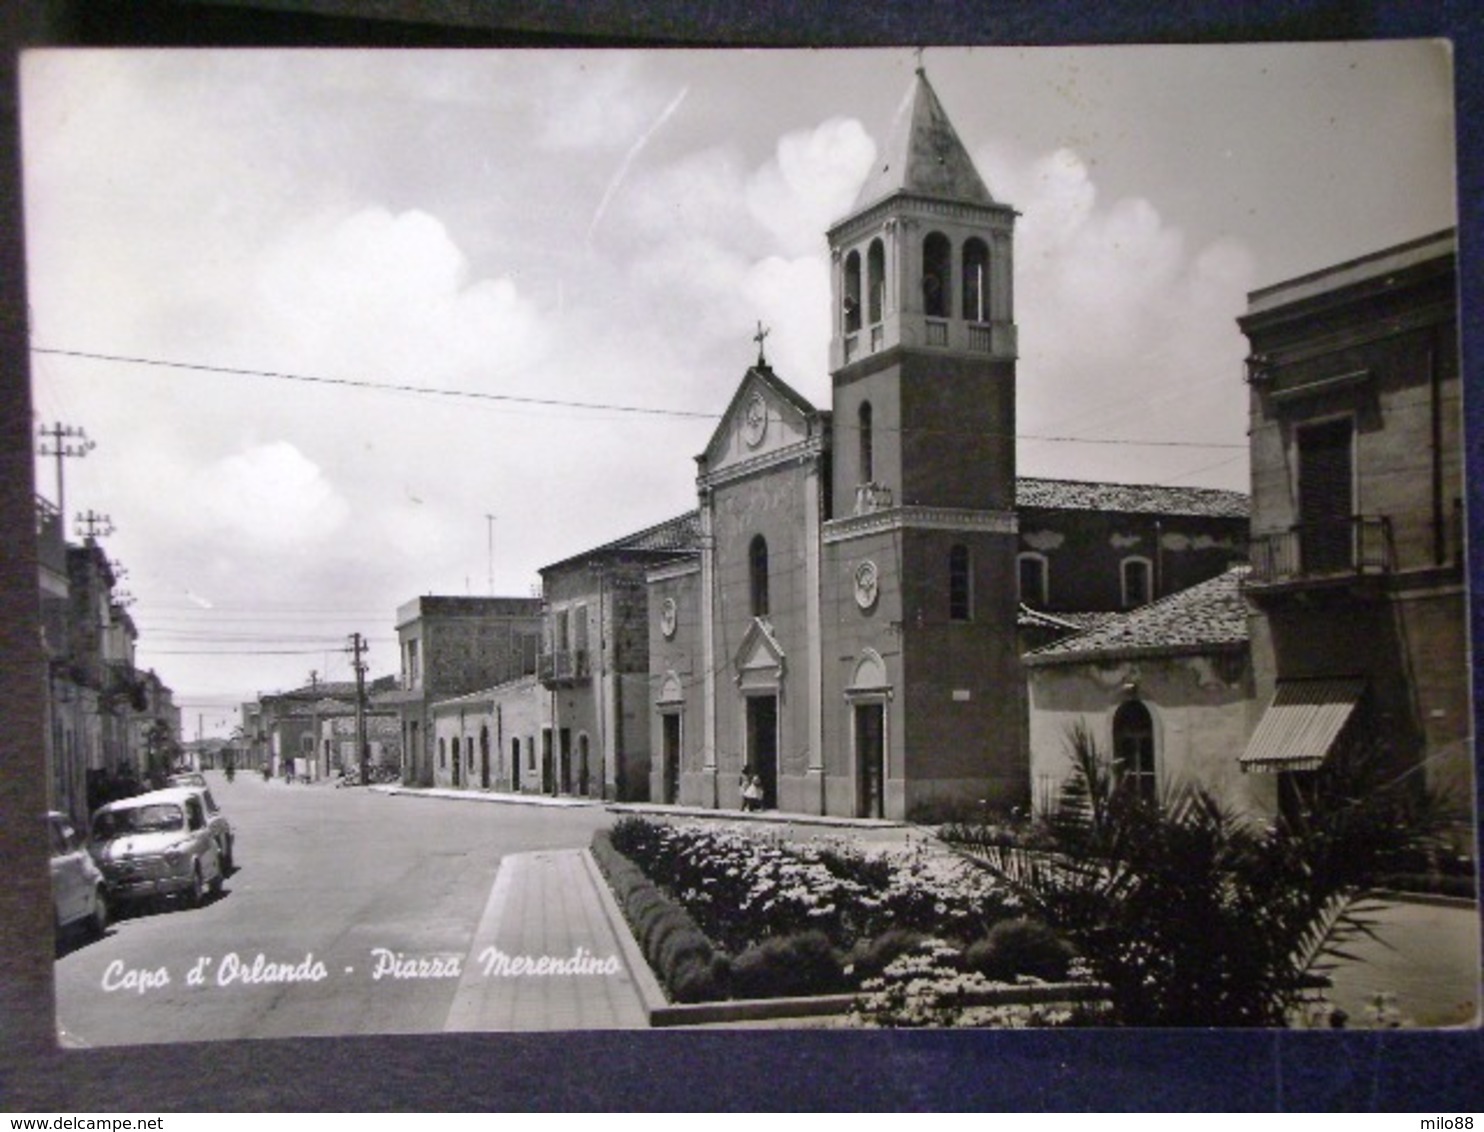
{"type": "Point", "coordinates": [186, 778]}
{"type": "Point", "coordinates": [79, 892]}
{"type": "Point", "coordinates": [157, 844]}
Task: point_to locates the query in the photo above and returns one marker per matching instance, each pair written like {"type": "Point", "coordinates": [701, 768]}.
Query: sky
{"type": "Point", "coordinates": [525, 284]}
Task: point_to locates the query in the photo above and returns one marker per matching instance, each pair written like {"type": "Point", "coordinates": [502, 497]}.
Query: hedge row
{"type": "Point", "coordinates": [683, 959]}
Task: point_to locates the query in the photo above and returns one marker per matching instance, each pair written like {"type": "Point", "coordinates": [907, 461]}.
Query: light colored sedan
{"type": "Point", "coordinates": [79, 894]}
{"type": "Point", "coordinates": [157, 844]}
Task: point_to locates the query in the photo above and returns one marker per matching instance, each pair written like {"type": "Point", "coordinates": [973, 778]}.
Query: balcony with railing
{"type": "Point", "coordinates": [1332, 551]}
{"type": "Point", "coordinates": [564, 667]}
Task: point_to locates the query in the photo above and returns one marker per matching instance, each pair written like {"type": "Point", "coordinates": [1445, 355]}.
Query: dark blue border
{"type": "Point", "coordinates": [1436, 1072]}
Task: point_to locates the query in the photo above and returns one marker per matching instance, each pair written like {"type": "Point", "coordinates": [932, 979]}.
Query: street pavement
{"type": "Point", "coordinates": [352, 880]}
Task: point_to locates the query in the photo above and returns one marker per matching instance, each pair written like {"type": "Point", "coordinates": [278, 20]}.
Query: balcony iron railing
{"type": "Point", "coordinates": [564, 665]}
{"type": "Point", "coordinates": [1334, 548]}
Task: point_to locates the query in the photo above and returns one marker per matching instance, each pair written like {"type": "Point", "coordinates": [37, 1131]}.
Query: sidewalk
{"type": "Point", "coordinates": [894, 829]}
{"type": "Point", "coordinates": [548, 956]}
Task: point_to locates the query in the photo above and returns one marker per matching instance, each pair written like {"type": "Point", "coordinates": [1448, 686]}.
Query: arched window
{"type": "Point", "coordinates": [960, 584]}
{"type": "Point", "coordinates": [876, 279]}
{"type": "Point", "coordinates": [976, 281]}
{"type": "Point", "coordinates": [937, 270]}
{"type": "Point", "coordinates": [852, 299]}
{"type": "Point", "coordinates": [757, 567]}
{"type": "Point", "coordinates": [1133, 749]}
{"type": "Point", "coordinates": [1034, 587]}
{"type": "Point", "coordinates": [1138, 587]}
{"type": "Point", "coordinates": [868, 470]}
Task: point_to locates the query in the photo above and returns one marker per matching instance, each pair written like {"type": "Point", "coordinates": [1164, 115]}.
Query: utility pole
{"type": "Point", "coordinates": [66, 441]}
{"type": "Point", "coordinates": [357, 647]}
{"type": "Point", "coordinates": [93, 526]}
{"type": "Point", "coordinates": [490, 520]}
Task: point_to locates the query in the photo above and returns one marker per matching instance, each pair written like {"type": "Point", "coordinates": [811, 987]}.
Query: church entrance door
{"type": "Point", "coordinates": [762, 745]}
{"type": "Point", "coordinates": [870, 760]}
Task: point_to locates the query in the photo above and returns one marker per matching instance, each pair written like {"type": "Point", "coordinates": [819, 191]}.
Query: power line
{"type": "Point", "coordinates": [386, 387]}
{"type": "Point", "coordinates": [591, 406]}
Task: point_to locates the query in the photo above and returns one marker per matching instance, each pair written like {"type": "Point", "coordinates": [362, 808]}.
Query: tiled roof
{"type": "Point", "coordinates": [324, 689]}
{"type": "Point", "coordinates": [1131, 498]}
{"type": "Point", "coordinates": [681, 535]}
{"type": "Point", "coordinates": [1209, 615]}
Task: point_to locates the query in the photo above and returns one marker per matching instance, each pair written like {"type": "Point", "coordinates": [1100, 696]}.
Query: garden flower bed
{"type": "Point", "coordinates": [722, 913]}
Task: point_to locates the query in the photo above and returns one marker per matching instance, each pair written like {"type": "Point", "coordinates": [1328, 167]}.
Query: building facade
{"type": "Point", "coordinates": [1358, 585]}
{"type": "Point", "coordinates": [110, 727]}
{"type": "Point", "coordinates": [1165, 691]}
{"type": "Point", "coordinates": [595, 664]}
{"type": "Point", "coordinates": [451, 646]}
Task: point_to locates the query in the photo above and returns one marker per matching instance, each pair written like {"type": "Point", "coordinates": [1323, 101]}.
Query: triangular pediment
{"type": "Point", "coordinates": [765, 417]}
{"type": "Point", "coordinates": [759, 659]}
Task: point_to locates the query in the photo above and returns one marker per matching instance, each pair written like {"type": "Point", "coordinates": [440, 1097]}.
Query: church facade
{"type": "Point", "coordinates": [850, 630]}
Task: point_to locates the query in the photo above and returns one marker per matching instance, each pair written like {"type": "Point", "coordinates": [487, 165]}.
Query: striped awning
{"type": "Point", "coordinates": [1301, 725]}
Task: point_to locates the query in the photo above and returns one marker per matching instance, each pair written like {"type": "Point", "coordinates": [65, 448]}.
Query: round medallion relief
{"type": "Point", "coordinates": [755, 421]}
{"type": "Point", "coordinates": [865, 584]}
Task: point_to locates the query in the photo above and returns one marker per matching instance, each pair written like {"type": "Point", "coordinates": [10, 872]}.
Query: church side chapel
{"type": "Point", "coordinates": [850, 631]}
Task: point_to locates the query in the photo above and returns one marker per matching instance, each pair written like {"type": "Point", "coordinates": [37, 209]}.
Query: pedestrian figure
{"type": "Point", "coordinates": [752, 790]}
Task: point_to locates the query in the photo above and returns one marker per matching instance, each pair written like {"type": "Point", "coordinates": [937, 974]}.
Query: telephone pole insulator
{"type": "Point", "coordinates": [66, 442]}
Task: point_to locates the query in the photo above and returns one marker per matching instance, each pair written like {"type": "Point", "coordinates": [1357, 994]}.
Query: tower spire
{"type": "Point", "coordinates": [923, 155]}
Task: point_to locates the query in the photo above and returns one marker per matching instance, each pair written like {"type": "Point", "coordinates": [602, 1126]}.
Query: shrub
{"type": "Point", "coordinates": [1021, 947]}
{"type": "Point", "coordinates": [682, 958]}
{"type": "Point", "coordinates": [799, 964]}
{"type": "Point", "coordinates": [870, 957]}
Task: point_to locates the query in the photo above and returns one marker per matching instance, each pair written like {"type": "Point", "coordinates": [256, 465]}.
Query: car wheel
{"type": "Point", "coordinates": [98, 921]}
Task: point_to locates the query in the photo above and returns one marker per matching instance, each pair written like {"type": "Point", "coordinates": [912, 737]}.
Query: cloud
{"type": "Point", "coordinates": [792, 298]}
{"type": "Point", "coordinates": [810, 183]}
{"type": "Point", "coordinates": [388, 297]}
{"type": "Point", "coordinates": [1125, 329]}
{"type": "Point", "coordinates": [270, 497]}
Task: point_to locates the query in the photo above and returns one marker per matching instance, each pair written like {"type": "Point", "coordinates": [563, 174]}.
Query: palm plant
{"type": "Point", "coordinates": [1192, 915]}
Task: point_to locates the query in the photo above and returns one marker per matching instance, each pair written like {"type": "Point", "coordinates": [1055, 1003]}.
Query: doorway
{"type": "Point", "coordinates": [870, 760]}
{"type": "Point", "coordinates": [484, 758]}
{"type": "Point", "coordinates": [670, 755]}
{"type": "Point", "coordinates": [762, 745]}
{"type": "Point", "coordinates": [1326, 496]}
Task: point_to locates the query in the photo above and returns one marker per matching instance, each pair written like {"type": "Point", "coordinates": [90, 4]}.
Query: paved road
{"type": "Point", "coordinates": [324, 876]}
{"type": "Point", "coordinates": [1424, 962]}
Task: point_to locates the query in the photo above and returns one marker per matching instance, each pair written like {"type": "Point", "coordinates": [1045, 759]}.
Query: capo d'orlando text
{"type": "Point", "coordinates": [234, 970]}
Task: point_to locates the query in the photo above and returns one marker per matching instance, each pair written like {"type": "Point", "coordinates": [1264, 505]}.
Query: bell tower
{"type": "Point", "coordinates": [923, 345]}
{"type": "Point", "coordinates": [919, 552]}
